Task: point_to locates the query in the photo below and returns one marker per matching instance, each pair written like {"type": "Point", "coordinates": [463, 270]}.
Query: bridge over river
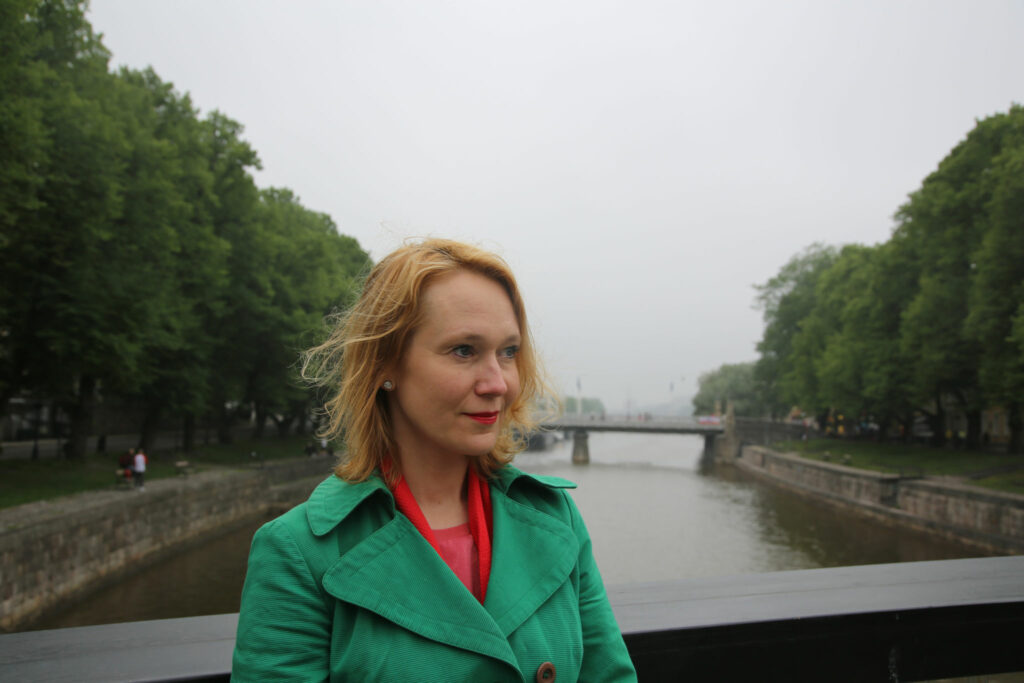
{"type": "Point", "coordinates": [581, 425]}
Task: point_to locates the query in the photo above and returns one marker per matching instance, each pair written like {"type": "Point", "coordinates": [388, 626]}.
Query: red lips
{"type": "Point", "coordinates": [484, 418]}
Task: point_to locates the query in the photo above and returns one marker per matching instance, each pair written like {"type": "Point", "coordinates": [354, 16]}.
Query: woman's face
{"type": "Point", "coordinates": [459, 370]}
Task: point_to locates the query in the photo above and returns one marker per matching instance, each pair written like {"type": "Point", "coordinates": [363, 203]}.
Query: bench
{"type": "Point", "coordinates": [184, 468]}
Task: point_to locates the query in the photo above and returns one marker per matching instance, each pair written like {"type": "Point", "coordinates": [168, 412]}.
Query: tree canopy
{"type": "Point", "coordinates": [730, 383]}
{"type": "Point", "coordinates": [589, 405]}
{"type": "Point", "coordinates": [140, 261]}
{"type": "Point", "coordinates": [929, 320]}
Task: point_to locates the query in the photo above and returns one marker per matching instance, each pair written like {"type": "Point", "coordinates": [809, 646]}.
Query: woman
{"type": "Point", "coordinates": [426, 556]}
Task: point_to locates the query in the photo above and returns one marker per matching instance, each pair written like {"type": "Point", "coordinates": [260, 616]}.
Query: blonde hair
{"type": "Point", "coordinates": [371, 337]}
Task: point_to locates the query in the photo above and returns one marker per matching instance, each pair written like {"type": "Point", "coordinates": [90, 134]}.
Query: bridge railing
{"type": "Point", "coordinates": [898, 622]}
{"type": "Point", "coordinates": [652, 424]}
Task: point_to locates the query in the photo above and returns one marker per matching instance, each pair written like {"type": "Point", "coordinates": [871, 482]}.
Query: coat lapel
{"type": "Point", "coordinates": [397, 574]}
{"type": "Point", "coordinates": [532, 556]}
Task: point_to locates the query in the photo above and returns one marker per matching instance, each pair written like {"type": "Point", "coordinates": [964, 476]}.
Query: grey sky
{"type": "Point", "coordinates": [640, 164]}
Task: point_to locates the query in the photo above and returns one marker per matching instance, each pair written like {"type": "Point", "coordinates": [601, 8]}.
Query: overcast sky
{"type": "Point", "coordinates": [640, 164]}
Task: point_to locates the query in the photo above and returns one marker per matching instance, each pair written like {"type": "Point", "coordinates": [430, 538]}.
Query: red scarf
{"type": "Point", "coordinates": [481, 523]}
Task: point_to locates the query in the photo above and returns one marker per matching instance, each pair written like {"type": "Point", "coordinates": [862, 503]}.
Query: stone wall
{"type": "Point", "coordinates": [989, 519]}
{"type": "Point", "coordinates": [741, 431]}
{"type": "Point", "coordinates": [992, 515]}
{"type": "Point", "coordinates": [52, 551]}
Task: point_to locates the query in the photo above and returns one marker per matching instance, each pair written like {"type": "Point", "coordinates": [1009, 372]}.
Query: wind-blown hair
{"type": "Point", "coordinates": [369, 339]}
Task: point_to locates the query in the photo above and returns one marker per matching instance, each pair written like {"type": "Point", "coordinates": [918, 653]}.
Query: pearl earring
{"type": "Point", "coordinates": [388, 385]}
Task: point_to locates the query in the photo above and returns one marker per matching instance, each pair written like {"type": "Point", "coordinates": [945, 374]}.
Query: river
{"type": "Point", "coordinates": [653, 513]}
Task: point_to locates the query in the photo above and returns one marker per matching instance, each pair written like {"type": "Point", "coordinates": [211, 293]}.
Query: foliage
{"type": "Point", "coordinates": [929, 320]}
{"type": "Point", "coordinates": [787, 300]}
{"type": "Point", "coordinates": [730, 383]}
{"type": "Point", "coordinates": [140, 260]}
{"type": "Point", "coordinates": [590, 405]}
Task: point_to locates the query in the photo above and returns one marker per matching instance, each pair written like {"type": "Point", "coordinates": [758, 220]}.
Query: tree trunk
{"type": "Point", "coordinates": [937, 423]}
{"type": "Point", "coordinates": [80, 416]}
{"type": "Point", "coordinates": [261, 418]}
{"type": "Point", "coordinates": [822, 420]}
{"type": "Point", "coordinates": [908, 427]}
{"type": "Point", "coordinates": [1016, 422]}
{"type": "Point", "coordinates": [973, 429]}
{"type": "Point", "coordinates": [284, 424]}
{"type": "Point", "coordinates": [224, 435]}
{"type": "Point", "coordinates": [150, 425]}
{"type": "Point", "coordinates": [56, 431]}
{"type": "Point", "coordinates": [188, 433]}
{"type": "Point", "coordinates": [299, 416]}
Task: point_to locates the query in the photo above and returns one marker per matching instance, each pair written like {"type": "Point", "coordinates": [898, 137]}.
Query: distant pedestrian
{"type": "Point", "coordinates": [126, 462]}
{"type": "Point", "coordinates": [139, 469]}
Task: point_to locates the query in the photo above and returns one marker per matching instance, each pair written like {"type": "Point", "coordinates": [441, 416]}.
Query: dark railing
{"type": "Point", "coordinates": [895, 622]}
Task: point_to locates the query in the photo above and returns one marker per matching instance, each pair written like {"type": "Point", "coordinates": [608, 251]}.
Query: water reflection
{"type": "Point", "coordinates": [204, 579]}
{"type": "Point", "coordinates": [656, 513]}
{"type": "Point", "coordinates": [832, 537]}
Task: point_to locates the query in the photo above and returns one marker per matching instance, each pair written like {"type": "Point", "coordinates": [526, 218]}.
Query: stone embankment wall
{"type": "Point", "coordinates": [52, 551]}
{"type": "Point", "coordinates": [988, 519]}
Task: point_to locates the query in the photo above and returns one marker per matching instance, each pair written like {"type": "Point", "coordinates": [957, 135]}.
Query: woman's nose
{"type": "Point", "coordinates": [492, 379]}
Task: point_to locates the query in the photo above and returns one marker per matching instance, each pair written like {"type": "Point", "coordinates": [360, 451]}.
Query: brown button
{"type": "Point", "coordinates": [546, 673]}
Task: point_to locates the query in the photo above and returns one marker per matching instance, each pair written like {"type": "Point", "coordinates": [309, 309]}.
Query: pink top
{"type": "Point", "coordinates": [459, 552]}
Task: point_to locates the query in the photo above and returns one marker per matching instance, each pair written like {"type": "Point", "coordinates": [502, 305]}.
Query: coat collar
{"type": "Point", "coordinates": [395, 573]}
{"type": "Point", "coordinates": [334, 499]}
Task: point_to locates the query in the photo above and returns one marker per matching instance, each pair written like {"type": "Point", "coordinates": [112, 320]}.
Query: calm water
{"type": "Point", "coordinates": [652, 515]}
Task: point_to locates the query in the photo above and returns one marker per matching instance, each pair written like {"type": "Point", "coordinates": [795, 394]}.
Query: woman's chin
{"type": "Point", "coordinates": [479, 447]}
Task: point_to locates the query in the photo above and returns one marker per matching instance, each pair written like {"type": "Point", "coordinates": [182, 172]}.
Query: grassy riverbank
{"type": "Point", "coordinates": [24, 481]}
{"type": "Point", "coordinates": [979, 468]}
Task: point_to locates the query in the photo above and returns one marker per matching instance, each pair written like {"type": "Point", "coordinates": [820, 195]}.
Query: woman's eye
{"type": "Point", "coordinates": [463, 351]}
{"type": "Point", "coordinates": [509, 352]}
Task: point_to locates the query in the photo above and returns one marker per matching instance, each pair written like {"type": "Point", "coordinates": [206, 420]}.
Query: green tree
{"type": "Point", "coordinates": [590, 405]}
{"type": "Point", "coordinates": [61, 333]}
{"type": "Point", "coordinates": [177, 263]}
{"type": "Point", "coordinates": [784, 376]}
{"type": "Point", "coordinates": [733, 383]}
{"type": "Point", "coordinates": [942, 228]}
{"type": "Point", "coordinates": [995, 321]}
{"type": "Point", "coordinates": [24, 139]}
{"type": "Point", "coordinates": [140, 260]}
{"type": "Point", "coordinates": [859, 368]}
{"type": "Point", "coordinates": [314, 271]}
{"type": "Point", "coordinates": [236, 221]}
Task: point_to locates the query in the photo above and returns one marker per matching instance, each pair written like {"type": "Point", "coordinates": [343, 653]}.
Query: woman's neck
{"type": "Point", "coordinates": [439, 487]}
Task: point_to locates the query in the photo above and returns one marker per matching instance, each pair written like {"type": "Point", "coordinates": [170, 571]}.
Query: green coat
{"type": "Point", "coordinates": [344, 588]}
